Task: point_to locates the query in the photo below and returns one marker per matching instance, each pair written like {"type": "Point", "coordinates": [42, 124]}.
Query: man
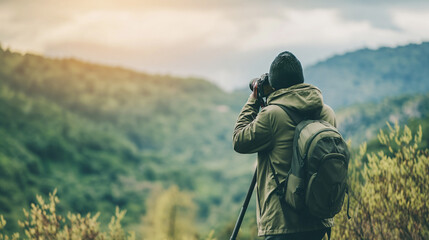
{"type": "Point", "coordinates": [270, 134]}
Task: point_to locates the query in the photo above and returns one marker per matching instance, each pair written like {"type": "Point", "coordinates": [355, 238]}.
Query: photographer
{"type": "Point", "coordinates": [270, 133]}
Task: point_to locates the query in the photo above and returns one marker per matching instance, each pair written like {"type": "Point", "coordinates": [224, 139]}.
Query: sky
{"type": "Point", "coordinates": [227, 42]}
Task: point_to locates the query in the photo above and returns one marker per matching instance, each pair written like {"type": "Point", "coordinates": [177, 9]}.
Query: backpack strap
{"type": "Point", "coordinates": [276, 179]}
{"type": "Point", "coordinates": [296, 118]}
{"type": "Point", "coordinates": [348, 202]}
{"type": "Point", "coordinates": [280, 191]}
{"type": "Point", "coordinates": [328, 232]}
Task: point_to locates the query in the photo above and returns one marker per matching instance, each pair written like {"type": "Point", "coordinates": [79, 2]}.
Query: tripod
{"type": "Point", "coordinates": [244, 207]}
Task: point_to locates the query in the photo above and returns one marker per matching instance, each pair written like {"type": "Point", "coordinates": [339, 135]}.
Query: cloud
{"type": "Point", "coordinates": [413, 23]}
{"type": "Point", "coordinates": [227, 42]}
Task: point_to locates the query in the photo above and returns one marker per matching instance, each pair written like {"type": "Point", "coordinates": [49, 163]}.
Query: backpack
{"type": "Point", "coordinates": [317, 179]}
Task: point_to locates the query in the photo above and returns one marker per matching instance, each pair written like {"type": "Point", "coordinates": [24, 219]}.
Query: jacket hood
{"type": "Point", "coordinates": [303, 98]}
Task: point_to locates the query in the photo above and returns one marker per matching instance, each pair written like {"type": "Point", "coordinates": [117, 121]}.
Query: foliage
{"type": "Point", "coordinates": [15, 236]}
{"type": "Point", "coordinates": [389, 194]}
{"type": "Point", "coordinates": [43, 222]}
{"type": "Point", "coordinates": [171, 215]}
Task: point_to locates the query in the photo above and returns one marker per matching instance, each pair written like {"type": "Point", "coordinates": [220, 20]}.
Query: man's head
{"type": "Point", "coordinates": [285, 71]}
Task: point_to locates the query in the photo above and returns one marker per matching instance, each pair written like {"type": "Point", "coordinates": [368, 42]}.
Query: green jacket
{"type": "Point", "coordinates": [270, 134]}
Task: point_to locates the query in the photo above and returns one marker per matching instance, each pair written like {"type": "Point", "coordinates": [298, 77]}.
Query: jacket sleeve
{"type": "Point", "coordinates": [252, 132]}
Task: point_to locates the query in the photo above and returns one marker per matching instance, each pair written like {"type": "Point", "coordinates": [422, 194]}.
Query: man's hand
{"type": "Point", "coordinates": [255, 90]}
{"type": "Point", "coordinates": [254, 94]}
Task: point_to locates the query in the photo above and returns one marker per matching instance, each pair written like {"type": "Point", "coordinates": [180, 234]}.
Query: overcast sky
{"type": "Point", "coordinates": [225, 41]}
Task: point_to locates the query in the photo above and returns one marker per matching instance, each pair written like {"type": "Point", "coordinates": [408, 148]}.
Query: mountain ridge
{"type": "Point", "coordinates": [369, 75]}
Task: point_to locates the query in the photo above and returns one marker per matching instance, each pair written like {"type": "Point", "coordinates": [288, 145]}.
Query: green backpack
{"type": "Point", "coordinates": [317, 180]}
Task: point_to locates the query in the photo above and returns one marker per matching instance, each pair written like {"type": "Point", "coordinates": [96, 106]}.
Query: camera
{"type": "Point", "coordinates": [263, 86]}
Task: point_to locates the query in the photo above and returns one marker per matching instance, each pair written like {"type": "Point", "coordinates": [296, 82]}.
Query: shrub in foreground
{"type": "Point", "coordinates": [389, 192]}
{"type": "Point", "coordinates": [43, 222]}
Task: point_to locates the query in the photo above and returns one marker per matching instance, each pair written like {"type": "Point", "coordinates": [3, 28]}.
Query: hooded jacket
{"type": "Point", "coordinates": [270, 134]}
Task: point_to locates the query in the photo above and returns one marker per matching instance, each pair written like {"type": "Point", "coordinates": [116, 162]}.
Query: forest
{"type": "Point", "coordinates": [155, 151]}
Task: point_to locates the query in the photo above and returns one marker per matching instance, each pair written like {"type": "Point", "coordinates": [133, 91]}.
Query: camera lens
{"type": "Point", "coordinates": [252, 83]}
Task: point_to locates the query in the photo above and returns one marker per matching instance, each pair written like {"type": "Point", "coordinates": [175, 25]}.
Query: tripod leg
{"type": "Point", "coordinates": [244, 207]}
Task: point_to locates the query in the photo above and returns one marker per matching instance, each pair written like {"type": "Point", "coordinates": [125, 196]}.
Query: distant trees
{"type": "Point", "coordinates": [371, 75]}
{"type": "Point", "coordinates": [109, 133]}
{"type": "Point", "coordinates": [361, 122]}
{"type": "Point", "coordinates": [390, 191]}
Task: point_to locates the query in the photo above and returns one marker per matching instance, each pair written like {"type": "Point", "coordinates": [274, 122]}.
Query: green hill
{"type": "Point", "coordinates": [361, 122]}
{"type": "Point", "coordinates": [107, 136]}
{"type": "Point", "coordinates": [371, 75]}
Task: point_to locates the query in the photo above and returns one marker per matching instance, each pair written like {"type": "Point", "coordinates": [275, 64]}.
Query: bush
{"type": "Point", "coordinates": [42, 222]}
{"type": "Point", "coordinates": [390, 191]}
